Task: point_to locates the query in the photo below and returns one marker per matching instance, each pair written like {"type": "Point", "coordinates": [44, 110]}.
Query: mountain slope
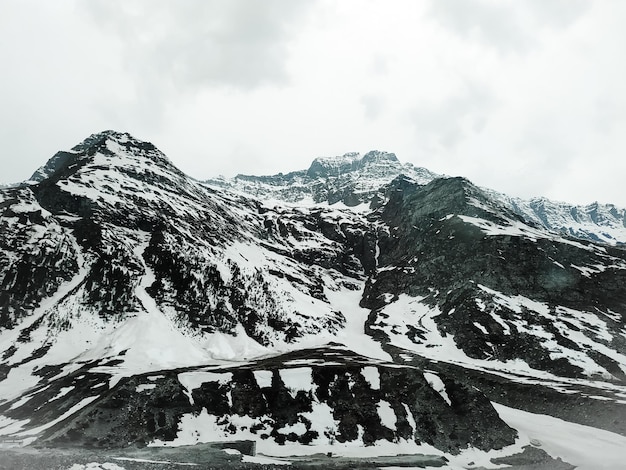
{"type": "Point", "coordinates": [502, 288]}
{"type": "Point", "coordinates": [260, 308]}
{"type": "Point", "coordinates": [117, 264]}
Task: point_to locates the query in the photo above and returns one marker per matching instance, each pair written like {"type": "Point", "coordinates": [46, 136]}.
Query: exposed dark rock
{"type": "Point", "coordinates": [147, 408]}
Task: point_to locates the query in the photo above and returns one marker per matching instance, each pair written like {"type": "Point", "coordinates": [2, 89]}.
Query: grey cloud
{"type": "Point", "coordinates": [506, 25]}
{"type": "Point", "coordinates": [196, 43]}
{"type": "Point", "coordinates": [373, 105]}
{"type": "Point", "coordinates": [447, 123]}
{"type": "Point", "coordinates": [491, 22]}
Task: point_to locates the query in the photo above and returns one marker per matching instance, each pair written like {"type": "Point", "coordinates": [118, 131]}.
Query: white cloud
{"type": "Point", "coordinates": [202, 43]}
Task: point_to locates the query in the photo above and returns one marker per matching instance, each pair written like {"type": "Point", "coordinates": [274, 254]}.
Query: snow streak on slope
{"type": "Point", "coordinates": [149, 340]}
{"type": "Point", "coordinates": [20, 377]}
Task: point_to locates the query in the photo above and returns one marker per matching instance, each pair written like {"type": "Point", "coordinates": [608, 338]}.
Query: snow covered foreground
{"type": "Point", "coordinates": [583, 446]}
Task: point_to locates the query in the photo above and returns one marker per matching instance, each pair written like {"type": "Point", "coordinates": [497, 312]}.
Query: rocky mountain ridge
{"type": "Point", "coordinates": [123, 282]}
{"type": "Point", "coordinates": [350, 179]}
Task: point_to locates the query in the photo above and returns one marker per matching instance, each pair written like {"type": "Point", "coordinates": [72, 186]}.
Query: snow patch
{"type": "Point", "coordinates": [297, 379]}
{"type": "Point", "coordinates": [586, 447]}
{"type": "Point", "coordinates": [261, 460]}
{"type": "Point", "coordinates": [387, 416]}
{"type": "Point", "coordinates": [372, 376]}
{"type": "Point", "coordinates": [481, 328]}
{"type": "Point", "coordinates": [263, 378]}
{"type": "Point", "coordinates": [96, 466]}
{"type": "Point", "coordinates": [437, 385]}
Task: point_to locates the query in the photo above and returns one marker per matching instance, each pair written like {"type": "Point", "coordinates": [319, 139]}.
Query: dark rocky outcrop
{"type": "Point", "coordinates": [146, 408]}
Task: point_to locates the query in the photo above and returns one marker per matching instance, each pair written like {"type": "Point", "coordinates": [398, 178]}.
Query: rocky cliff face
{"type": "Point", "coordinates": [503, 288]}
{"type": "Point", "coordinates": [214, 311]}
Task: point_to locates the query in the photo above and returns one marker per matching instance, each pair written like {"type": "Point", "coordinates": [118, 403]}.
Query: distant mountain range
{"type": "Point", "coordinates": [360, 302]}
{"type": "Point", "coordinates": [353, 179]}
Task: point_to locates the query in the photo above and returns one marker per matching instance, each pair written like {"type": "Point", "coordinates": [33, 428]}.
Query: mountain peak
{"type": "Point", "coordinates": [100, 140]}
{"type": "Point", "coordinates": [109, 170]}
{"type": "Point", "coordinates": [350, 178]}
{"type": "Point", "coordinates": [108, 144]}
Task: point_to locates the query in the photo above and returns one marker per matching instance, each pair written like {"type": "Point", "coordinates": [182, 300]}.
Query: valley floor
{"type": "Point", "coordinates": [206, 457]}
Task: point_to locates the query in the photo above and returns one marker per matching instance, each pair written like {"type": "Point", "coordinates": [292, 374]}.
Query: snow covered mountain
{"type": "Point", "coordinates": [353, 179]}
{"type": "Point", "coordinates": [359, 302]}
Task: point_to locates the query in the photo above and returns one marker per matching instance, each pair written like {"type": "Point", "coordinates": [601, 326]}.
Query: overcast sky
{"type": "Point", "coordinates": [523, 96]}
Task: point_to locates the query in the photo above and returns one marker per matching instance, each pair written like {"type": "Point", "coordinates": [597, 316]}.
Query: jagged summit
{"type": "Point", "coordinates": [333, 166]}
{"type": "Point", "coordinates": [351, 179]}
{"type": "Point", "coordinates": [113, 168]}
{"type": "Point", "coordinates": [99, 139]}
